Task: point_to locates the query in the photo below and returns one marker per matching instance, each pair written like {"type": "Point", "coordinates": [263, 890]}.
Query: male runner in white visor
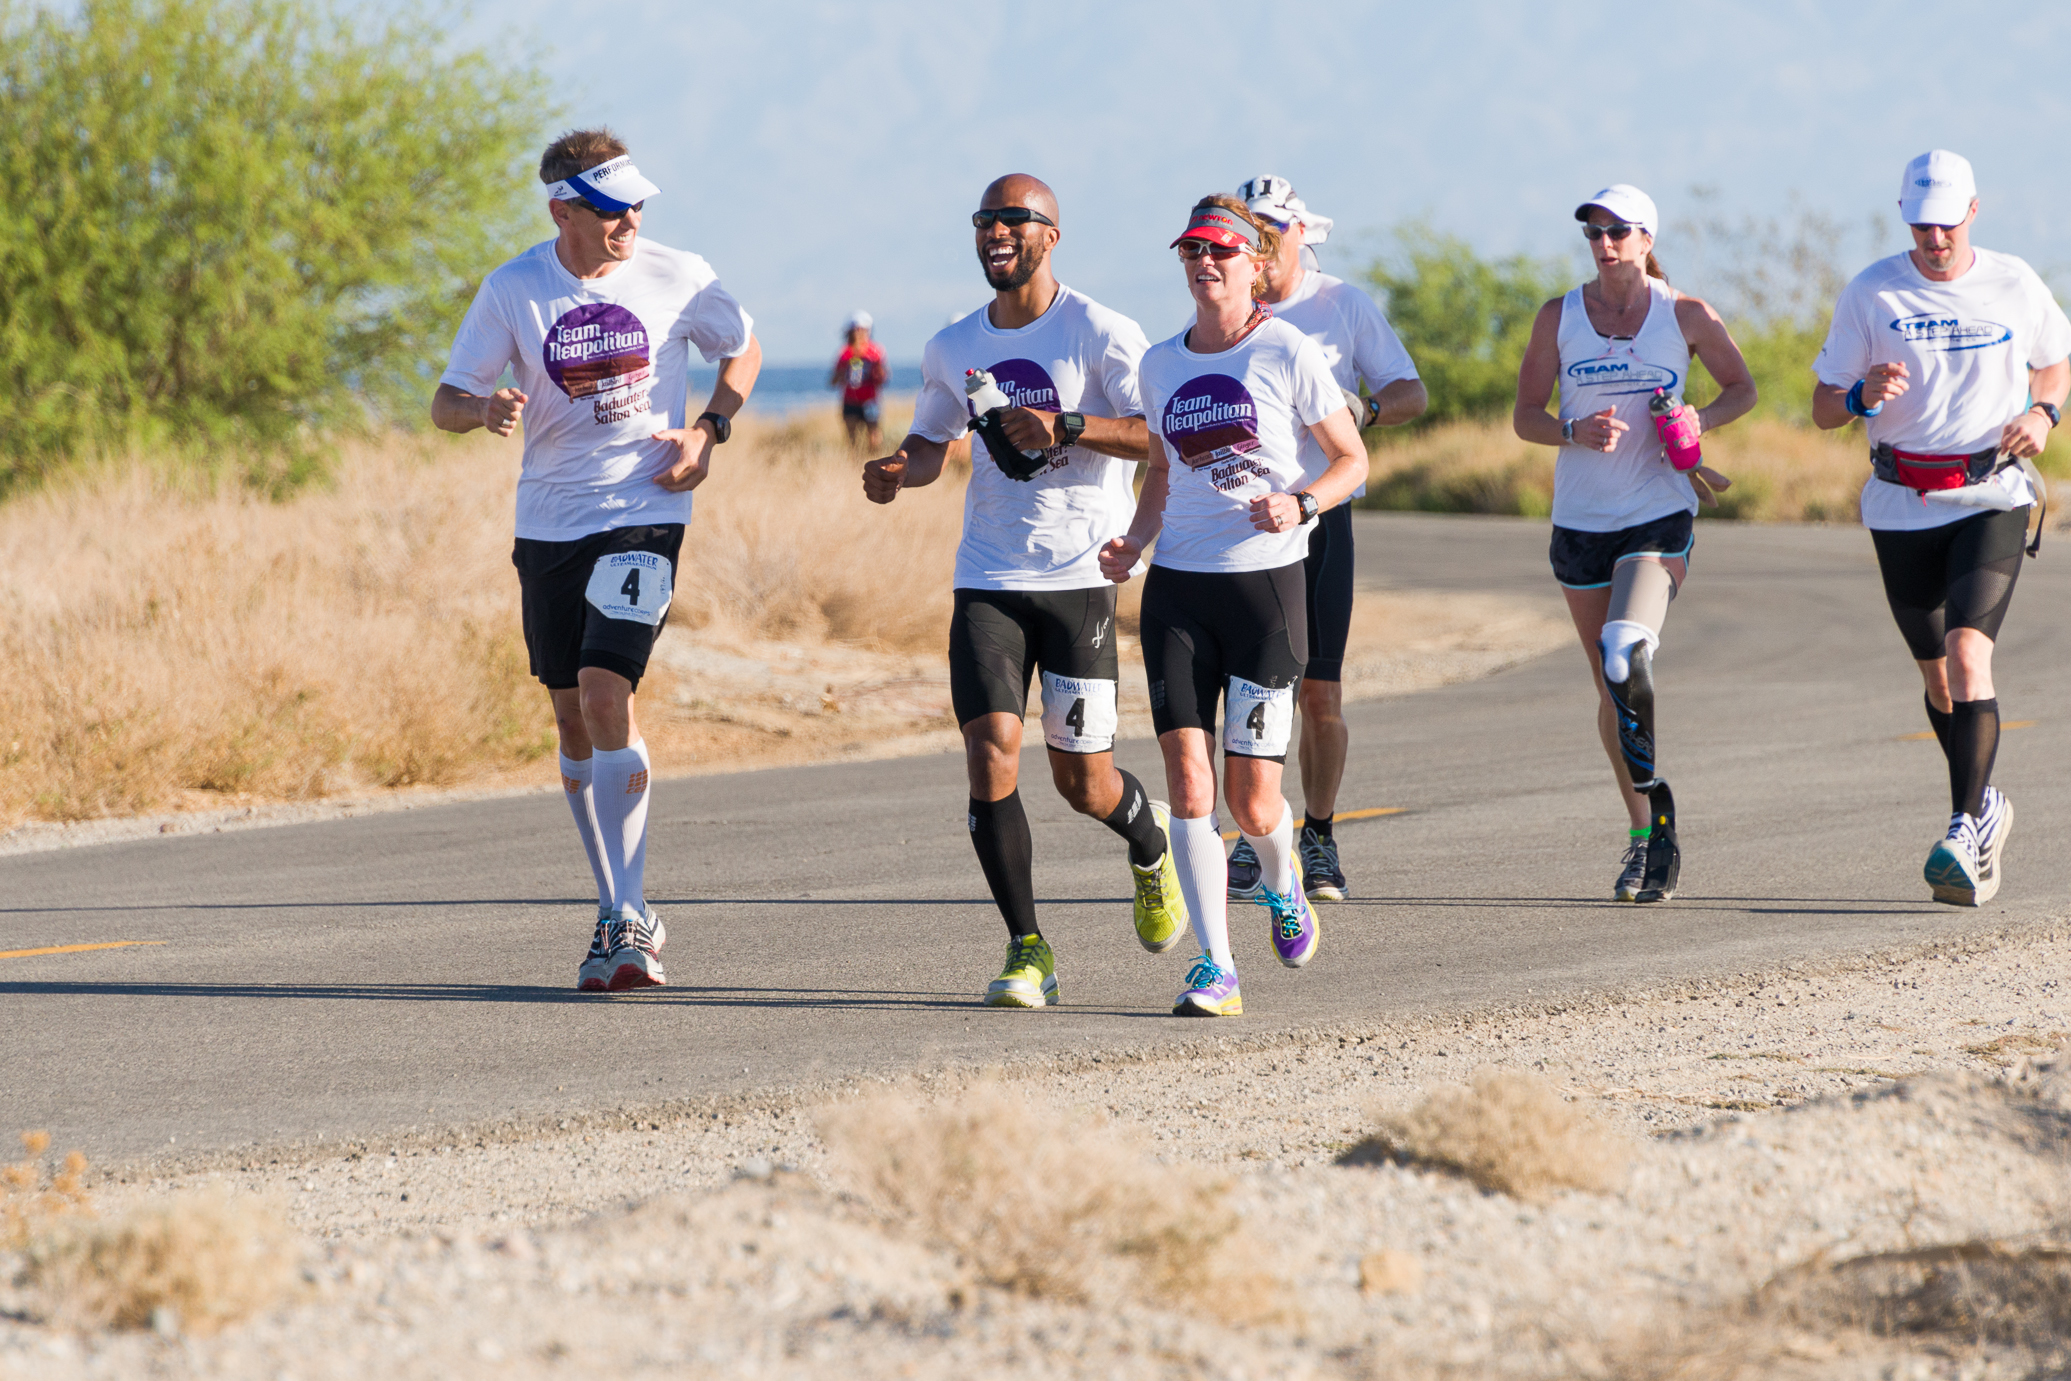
{"type": "Point", "coordinates": [596, 325]}
{"type": "Point", "coordinates": [1959, 359]}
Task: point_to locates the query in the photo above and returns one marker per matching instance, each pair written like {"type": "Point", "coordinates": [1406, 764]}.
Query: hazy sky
{"type": "Point", "coordinates": [826, 154]}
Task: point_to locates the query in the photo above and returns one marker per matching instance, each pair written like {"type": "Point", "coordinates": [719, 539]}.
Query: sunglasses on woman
{"type": "Point", "coordinates": [1194, 249]}
{"type": "Point", "coordinates": [1614, 232]}
{"type": "Point", "coordinates": [1013, 216]}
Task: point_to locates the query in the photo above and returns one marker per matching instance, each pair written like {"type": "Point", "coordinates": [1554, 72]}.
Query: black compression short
{"type": "Point", "coordinates": [1212, 634]}
{"type": "Point", "coordinates": [999, 638]}
{"type": "Point", "coordinates": [597, 601]}
{"type": "Point", "coordinates": [1588, 560]}
{"type": "Point", "coordinates": [1958, 575]}
{"type": "Point", "coordinates": [1328, 576]}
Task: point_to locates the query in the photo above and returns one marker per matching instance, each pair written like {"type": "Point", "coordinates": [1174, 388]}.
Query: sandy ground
{"type": "Point", "coordinates": [1781, 1127]}
{"type": "Point", "coordinates": [727, 704]}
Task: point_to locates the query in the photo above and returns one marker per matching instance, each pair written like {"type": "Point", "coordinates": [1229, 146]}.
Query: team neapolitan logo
{"type": "Point", "coordinates": [1029, 385]}
{"type": "Point", "coordinates": [598, 351]}
{"type": "Point", "coordinates": [1939, 331]}
{"type": "Point", "coordinates": [1213, 422]}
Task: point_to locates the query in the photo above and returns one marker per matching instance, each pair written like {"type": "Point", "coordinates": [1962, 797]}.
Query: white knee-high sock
{"type": "Point", "coordinates": [621, 796]}
{"type": "Point", "coordinates": [1276, 852]}
{"type": "Point", "coordinates": [1204, 880]}
{"type": "Point", "coordinates": [575, 785]}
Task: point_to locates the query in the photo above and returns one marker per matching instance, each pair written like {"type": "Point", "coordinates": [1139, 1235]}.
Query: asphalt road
{"type": "Point", "coordinates": [416, 968]}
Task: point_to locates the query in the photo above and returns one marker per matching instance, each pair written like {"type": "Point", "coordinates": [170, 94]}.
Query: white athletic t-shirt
{"type": "Point", "coordinates": [1232, 424]}
{"type": "Point", "coordinates": [1357, 341]}
{"type": "Point", "coordinates": [1607, 491]}
{"type": "Point", "coordinates": [1044, 533]}
{"type": "Point", "coordinates": [604, 364]}
{"type": "Point", "coordinates": [1967, 347]}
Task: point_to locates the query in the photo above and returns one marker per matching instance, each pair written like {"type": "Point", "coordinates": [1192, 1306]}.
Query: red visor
{"type": "Point", "coordinates": [1219, 227]}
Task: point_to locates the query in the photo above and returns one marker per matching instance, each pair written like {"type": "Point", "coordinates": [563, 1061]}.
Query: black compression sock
{"type": "Point", "coordinates": [1973, 744]}
{"type": "Point", "coordinates": [1939, 719]}
{"type": "Point", "coordinates": [1132, 819]}
{"type": "Point", "coordinates": [1318, 823]}
{"type": "Point", "coordinates": [999, 832]}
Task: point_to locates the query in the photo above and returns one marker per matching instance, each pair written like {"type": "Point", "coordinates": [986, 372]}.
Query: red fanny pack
{"type": "Point", "coordinates": [1924, 472]}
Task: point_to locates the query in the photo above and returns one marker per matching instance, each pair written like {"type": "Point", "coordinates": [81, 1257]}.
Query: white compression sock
{"type": "Point", "coordinates": [1276, 852]}
{"type": "Point", "coordinates": [621, 797]}
{"type": "Point", "coordinates": [1204, 880]}
{"type": "Point", "coordinates": [575, 785]}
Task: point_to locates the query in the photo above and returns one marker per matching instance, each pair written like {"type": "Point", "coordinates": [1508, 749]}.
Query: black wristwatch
{"type": "Point", "coordinates": [1070, 425]}
{"type": "Point", "coordinates": [2049, 410]}
{"type": "Point", "coordinates": [1308, 505]}
{"type": "Point", "coordinates": [722, 427]}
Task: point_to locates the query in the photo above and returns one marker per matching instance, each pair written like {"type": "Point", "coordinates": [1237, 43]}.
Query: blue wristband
{"type": "Point", "coordinates": [1854, 402]}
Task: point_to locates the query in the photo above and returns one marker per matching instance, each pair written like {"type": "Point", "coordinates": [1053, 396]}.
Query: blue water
{"type": "Point", "coordinates": [786, 388]}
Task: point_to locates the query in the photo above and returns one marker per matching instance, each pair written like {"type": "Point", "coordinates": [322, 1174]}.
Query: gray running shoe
{"type": "Point", "coordinates": [1993, 827]}
{"type": "Point", "coordinates": [595, 974]}
{"type": "Point", "coordinates": [1323, 878]}
{"type": "Point", "coordinates": [1244, 871]}
{"type": "Point", "coordinates": [1632, 873]}
{"type": "Point", "coordinates": [635, 960]}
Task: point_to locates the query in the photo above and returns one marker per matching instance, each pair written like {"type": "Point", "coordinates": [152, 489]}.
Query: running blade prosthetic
{"type": "Point", "coordinates": [1664, 857]}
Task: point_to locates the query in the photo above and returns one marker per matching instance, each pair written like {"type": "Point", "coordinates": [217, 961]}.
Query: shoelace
{"type": "Point", "coordinates": [1635, 854]}
{"type": "Point", "coordinates": [1024, 952]}
{"type": "Point", "coordinates": [1204, 974]}
{"type": "Point", "coordinates": [1287, 917]}
{"type": "Point", "coordinates": [1316, 856]}
{"type": "Point", "coordinates": [1150, 887]}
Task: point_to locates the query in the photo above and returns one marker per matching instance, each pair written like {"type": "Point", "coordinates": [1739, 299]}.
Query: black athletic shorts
{"type": "Point", "coordinates": [1242, 636]}
{"type": "Point", "coordinates": [1958, 575]}
{"type": "Point", "coordinates": [1588, 560]}
{"type": "Point", "coordinates": [999, 638]}
{"type": "Point", "coordinates": [860, 412]}
{"type": "Point", "coordinates": [598, 601]}
{"type": "Point", "coordinates": [1328, 575]}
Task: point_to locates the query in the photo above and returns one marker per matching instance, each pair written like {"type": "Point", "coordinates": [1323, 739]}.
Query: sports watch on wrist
{"type": "Point", "coordinates": [1567, 430]}
{"type": "Point", "coordinates": [722, 427]}
{"type": "Point", "coordinates": [1070, 425]}
{"type": "Point", "coordinates": [1306, 502]}
{"type": "Point", "coordinates": [2049, 410]}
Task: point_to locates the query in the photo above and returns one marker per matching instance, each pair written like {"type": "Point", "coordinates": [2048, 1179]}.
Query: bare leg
{"type": "Point", "coordinates": [1325, 741]}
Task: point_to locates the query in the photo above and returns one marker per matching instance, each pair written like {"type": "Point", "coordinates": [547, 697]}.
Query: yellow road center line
{"type": "Point", "coordinates": [2010, 724]}
{"type": "Point", "coordinates": [1371, 812]}
{"type": "Point", "coordinates": [73, 949]}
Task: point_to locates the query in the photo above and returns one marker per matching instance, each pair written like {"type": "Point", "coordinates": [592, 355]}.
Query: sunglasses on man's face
{"type": "Point", "coordinates": [1613, 232]}
{"type": "Point", "coordinates": [1011, 216]}
{"type": "Point", "coordinates": [1194, 249]}
{"type": "Point", "coordinates": [1928, 228]}
{"type": "Point", "coordinates": [605, 215]}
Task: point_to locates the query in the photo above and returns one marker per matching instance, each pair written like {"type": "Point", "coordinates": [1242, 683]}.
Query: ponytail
{"type": "Point", "coordinates": [1654, 267]}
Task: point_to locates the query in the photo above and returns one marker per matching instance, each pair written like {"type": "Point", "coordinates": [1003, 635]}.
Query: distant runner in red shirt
{"type": "Point", "coordinates": [859, 372]}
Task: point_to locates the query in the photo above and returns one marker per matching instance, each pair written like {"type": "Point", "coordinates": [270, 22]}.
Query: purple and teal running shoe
{"type": "Point", "coordinates": [1211, 992]}
{"type": "Point", "coordinates": [1294, 921]}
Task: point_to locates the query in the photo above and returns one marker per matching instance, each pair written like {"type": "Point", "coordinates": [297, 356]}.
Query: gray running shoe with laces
{"type": "Point", "coordinates": [1322, 878]}
{"type": "Point", "coordinates": [1632, 872]}
{"type": "Point", "coordinates": [1244, 871]}
{"type": "Point", "coordinates": [635, 960]}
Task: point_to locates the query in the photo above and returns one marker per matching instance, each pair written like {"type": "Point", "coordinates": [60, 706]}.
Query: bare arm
{"type": "Point", "coordinates": [1400, 401]}
{"type": "Point", "coordinates": [456, 410]}
{"type": "Point", "coordinates": [2027, 434]}
{"type": "Point", "coordinates": [1883, 383]}
{"type": "Point", "coordinates": [1712, 343]}
{"type": "Point", "coordinates": [1125, 437]}
{"type": "Point", "coordinates": [918, 461]}
{"type": "Point", "coordinates": [1338, 435]}
{"type": "Point", "coordinates": [1536, 377]}
{"type": "Point", "coordinates": [694, 443]}
{"type": "Point", "coordinates": [1120, 555]}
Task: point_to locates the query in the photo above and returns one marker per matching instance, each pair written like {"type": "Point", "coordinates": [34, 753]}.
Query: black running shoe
{"type": "Point", "coordinates": [1664, 857]}
{"type": "Point", "coordinates": [1322, 878]}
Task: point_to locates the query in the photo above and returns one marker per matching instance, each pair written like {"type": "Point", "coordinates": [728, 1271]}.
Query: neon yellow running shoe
{"type": "Point", "coordinates": [1030, 978]}
{"type": "Point", "coordinates": [1161, 909]}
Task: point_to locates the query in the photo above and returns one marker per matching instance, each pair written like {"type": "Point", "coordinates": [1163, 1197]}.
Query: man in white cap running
{"type": "Point", "coordinates": [1959, 359]}
{"type": "Point", "coordinates": [1359, 346]}
{"type": "Point", "coordinates": [596, 325]}
{"type": "Point", "coordinates": [860, 373]}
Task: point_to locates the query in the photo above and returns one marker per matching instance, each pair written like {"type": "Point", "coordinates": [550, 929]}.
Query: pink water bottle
{"type": "Point", "coordinates": [1676, 428]}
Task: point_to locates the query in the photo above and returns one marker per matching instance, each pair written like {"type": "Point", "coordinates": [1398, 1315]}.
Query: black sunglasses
{"type": "Point", "coordinates": [1008, 216]}
{"type": "Point", "coordinates": [604, 215]}
{"type": "Point", "coordinates": [1615, 232]}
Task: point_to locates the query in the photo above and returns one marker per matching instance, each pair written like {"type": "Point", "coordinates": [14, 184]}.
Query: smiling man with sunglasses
{"type": "Point", "coordinates": [596, 325]}
{"type": "Point", "coordinates": [1029, 595]}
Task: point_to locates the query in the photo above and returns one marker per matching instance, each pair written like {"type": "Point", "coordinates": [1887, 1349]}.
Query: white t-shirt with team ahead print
{"type": "Point", "coordinates": [1232, 424]}
{"type": "Point", "coordinates": [604, 364]}
{"type": "Point", "coordinates": [1967, 346]}
{"type": "Point", "coordinates": [1044, 533]}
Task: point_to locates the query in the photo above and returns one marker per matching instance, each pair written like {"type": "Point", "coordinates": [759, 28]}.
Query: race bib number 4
{"type": "Point", "coordinates": [632, 585]}
{"type": "Point", "coordinates": [1258, 721]}
{"type": "Point", "coordinates": [1078, 716]}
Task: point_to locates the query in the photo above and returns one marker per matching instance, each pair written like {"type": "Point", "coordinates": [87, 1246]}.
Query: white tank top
{"type": "Point", "coordinates": [1595, 491]}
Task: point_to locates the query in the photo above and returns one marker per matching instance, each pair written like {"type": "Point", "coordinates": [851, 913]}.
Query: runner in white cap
{"type": "Point", "coordinates": [1959, 358]}
{"type": "Point", "coordinates": [1622, 501]}
{"type": "Point", "coordinates": [860, 373]}
{"type": "Point", "coordinates": [1226, 499]}
{"type": "Point", "coordinates": [1360, 347]}
{"type": "Point", "coordinates": [597, 326]}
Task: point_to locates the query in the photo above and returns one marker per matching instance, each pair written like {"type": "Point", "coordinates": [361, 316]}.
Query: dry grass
{"type": "Point", "coordinates": [195, 1263]}
{"type": "Point", "coordinates": [1039, 1201]}
{"type": "Point", "coordinates": [32, 1195]}
{"type": "Point", "coordinates": [1509, 1131]}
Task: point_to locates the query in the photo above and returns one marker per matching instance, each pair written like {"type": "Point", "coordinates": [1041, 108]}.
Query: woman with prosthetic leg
{"type": "Point", "coordinates": [1626, 487]}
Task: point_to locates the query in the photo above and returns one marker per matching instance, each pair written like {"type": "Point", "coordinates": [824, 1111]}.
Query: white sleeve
{"type": "Point", "coordinates": [1315, 393]}
{"type": "Point", "coordinates": [940, 414]}
{"type": "Point", "coordinates": [1119, 366]}
{"type": "Point", "coordinates": [717, 325]}
{"type": "Point", "coordinates": [1377, 353]}
{"type": "Point", "coordinates": [2052, 330]}
{"type": "Point", "coordinates": [1845, 357]}
{"type": "Point", "coordinates": [482, 346]}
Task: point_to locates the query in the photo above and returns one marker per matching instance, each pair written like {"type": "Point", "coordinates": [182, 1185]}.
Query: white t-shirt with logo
{"type": "Point", "coordinates": [1967, 347]}
{"type": "Point", "coordinates": [1357, 341]}
{"type": "Point", "coordinates": [1044, 533]}
{"type": "Point", "coordinates": [604, 364]}
{"type": "Point", "coordinates": [1633, 483]}
{"type": "Point", "coordinates": [1232, 425]}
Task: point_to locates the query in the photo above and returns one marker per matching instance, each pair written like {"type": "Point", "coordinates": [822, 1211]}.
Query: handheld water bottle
{"type": "Point", "coordinates": [987, 402]}
{"type": "Point", "coordinates": [1677, 429]}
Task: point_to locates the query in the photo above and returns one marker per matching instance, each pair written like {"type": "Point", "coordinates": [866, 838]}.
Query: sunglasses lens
{"type": "Point", "coordinates": [1008, 216]}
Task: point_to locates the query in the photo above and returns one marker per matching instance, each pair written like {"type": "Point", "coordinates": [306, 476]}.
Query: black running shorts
{"type": "Point", "coordinates": [1240, 636]}
{"type": "Point", "coordinates": [998, 639]}
{"type": "Point", "coordinates": [1328, 575]}
{"type": "Point", "coordinates": [598, 601]}
{"type": "Point", "coordinates": [860, 412]}
{"type": "Point", "coordinates": [1958, 575]}
{"type": "Point", "coordinates": [1588, 560]}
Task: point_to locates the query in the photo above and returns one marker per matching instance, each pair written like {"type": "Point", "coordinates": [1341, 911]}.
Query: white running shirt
{"type": "Point", "coordinates": [1232, 424]}
{"type": "Point", "coordinates": [1044, 533]}
{"type": "Point", "coordinates": [1599, 491]}
{"type": "Point", "coordinates": [1967, 347]}
{"type": "Point", "coordinates": [1357, 341]}
{"type": "Point", "coordinates": [604, 364]}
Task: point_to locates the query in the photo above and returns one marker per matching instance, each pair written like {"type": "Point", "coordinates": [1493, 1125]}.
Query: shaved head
{"type": "Point", "coordinates": [1021, 189]}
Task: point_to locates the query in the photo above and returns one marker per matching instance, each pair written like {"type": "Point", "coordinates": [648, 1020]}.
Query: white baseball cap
{"type": "Point", "coordinates": [612, 187]}
{"type": "Point", "coordinates": [858, 318]}
{"type": "Point", "coordinates": [1628, 203]}
{"type": "Point", "coordinates": [1938, 189]}
{"type": "Point", "coordinates": [1274, 198]}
